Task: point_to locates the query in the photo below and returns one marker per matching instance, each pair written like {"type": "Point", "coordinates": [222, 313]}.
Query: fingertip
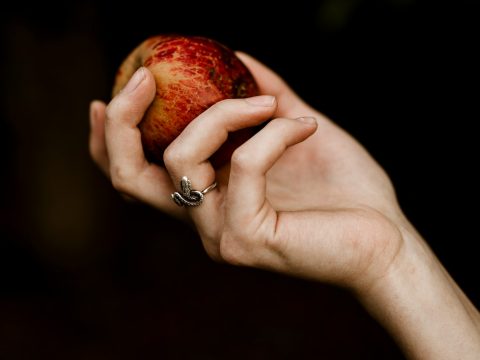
{"type": "Point", "coordinates": [249, 61]}
{"type": "Point", "coordinates": [246, 58]}
{"type": "Point", "coordinates": [141, 86]}
{"type": "Point", "coordinates": [148, 74]}
{"type": "Point", "coordinates": [262, 100]}
{"type": "Point", "coordinates": [308, 126]}
{"type": "Point", "coordinates": [97, 103]}
{"type": "Point", "coordinates": [97, 111]}
{"type": "Point", "coordinates": [308, 120]}
{"type": "Point", "coordinates": [242, 55]}
{"type": "Point", "coordinates": [131, 103]}
{"type": "Point", "coordinates": [150, 83]}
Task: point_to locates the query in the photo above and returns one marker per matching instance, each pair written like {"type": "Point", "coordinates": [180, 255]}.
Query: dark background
{"type": "Point", "coordinates": [85, 275]}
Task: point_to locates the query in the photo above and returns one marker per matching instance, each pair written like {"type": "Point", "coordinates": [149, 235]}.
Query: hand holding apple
{"type": "Point", "coordinates": [316, 180]}
{"type": "Point", "coordinates": [321, 173]}
{"type": "Point", "coordinates": [191, 74]}
{"type": "Point", "coordinates": [307, 203]}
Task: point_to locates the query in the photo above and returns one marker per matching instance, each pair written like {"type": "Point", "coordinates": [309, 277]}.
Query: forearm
{"type": "Point", "coordinates": [423, 308]}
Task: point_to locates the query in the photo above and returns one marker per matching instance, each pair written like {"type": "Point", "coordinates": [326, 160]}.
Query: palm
{"type": "Point", "coordinates": [329, 170]}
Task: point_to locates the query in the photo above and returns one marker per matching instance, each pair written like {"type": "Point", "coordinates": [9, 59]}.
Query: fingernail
{"type": "Point", "coordinates": [307, 119]}
{"type": "Point", "coordinates": [263, 100]}
{"type": "Point", "coordinates": [135, 80]}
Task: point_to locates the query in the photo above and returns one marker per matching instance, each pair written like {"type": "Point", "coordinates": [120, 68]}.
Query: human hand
{"type": "Point", "coordinates": [296, 198]}
{"type": "Point", "coordinates": [300, 197]}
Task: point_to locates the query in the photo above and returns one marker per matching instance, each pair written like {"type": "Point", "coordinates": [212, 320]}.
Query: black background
{"type": "Point", "coordinates": [84, 275]}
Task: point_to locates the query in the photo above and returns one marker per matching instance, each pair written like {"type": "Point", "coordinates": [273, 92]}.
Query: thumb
{"type": "Point", "coordinates": [130, 104]}
{"type": "Point", "coordinates": [270, 83]}
{"type": "Point", "coordinates": [122, 115]}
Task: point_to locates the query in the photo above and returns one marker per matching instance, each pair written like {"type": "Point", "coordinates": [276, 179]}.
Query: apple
{"type": "Point", "coordinates": [191, 74]}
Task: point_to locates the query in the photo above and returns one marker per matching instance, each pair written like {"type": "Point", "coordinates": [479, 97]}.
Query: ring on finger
{"type": "Point", "coordinates": [188, 196]}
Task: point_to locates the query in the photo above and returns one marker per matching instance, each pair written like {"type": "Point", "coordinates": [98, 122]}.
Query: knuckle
{"type": "Point", "coordinates": [119, 108]}
{"type": "Point", "coordinates": [213, 253]}
{"type": "Point", "coordinates": [121, 180]}
{"type": "Point", "coordinates": [239, 248]}
{"type": "Point", "coordinates": [210, 242]}
{"type": "Point", "coordinates": [242, 160]}
{"type": "Point", "coordinates": [171, 157]}
{"type": "Point", "coordinates": [226, 106]}
{"type": "Point", "coordinates": [230, 250]}
{"type": "Point", "coordinates": [177, 154]}
{"type": "Point", "coordinates": [250, 245]}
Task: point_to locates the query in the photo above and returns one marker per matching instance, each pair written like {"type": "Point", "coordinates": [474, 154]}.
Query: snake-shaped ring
{"type": "Point", "coordinates": [188, 196]}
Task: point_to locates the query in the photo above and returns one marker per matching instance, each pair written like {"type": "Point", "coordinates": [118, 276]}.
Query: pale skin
{"type": "Point", "coordinates": [301, 197]}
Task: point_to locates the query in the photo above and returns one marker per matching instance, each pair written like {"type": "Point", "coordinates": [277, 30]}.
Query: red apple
{"type": "Point", "coordinates": [191, 74]}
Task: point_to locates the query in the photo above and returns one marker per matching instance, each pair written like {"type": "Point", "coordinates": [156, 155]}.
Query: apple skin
{"type": "Point", "coordinates": [191, 74]}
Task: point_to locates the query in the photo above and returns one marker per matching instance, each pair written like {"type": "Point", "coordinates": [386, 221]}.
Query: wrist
{"type": "Point", "coordinates": [412, 255]}
{"type": "Point", "coordinates": [421, 306]}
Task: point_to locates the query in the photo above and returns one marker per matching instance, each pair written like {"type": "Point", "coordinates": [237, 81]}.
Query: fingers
{"type": "Point", "coordinates": [289, 104]}
{"type": "Point", "coordinates": [246, 197]}
{"type": "Point", "coordinates": [123, 114]}
{"type": "Point", "coordinates": [188, 154]}
{"type": "Point", "coordinates": [250, 221]}
{"type": "Point", "coordinates": [97, 146]}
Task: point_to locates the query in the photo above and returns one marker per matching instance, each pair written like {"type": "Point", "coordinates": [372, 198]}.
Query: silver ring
{"type": "Point", "coordinates": [190, 197]}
